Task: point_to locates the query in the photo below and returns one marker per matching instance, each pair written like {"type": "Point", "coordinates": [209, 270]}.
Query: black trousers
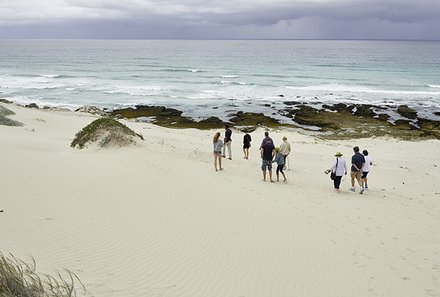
{"type": "Point", "coordinates": [337, 181]}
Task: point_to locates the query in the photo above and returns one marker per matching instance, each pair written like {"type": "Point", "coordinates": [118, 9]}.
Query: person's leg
{"type": "Point", "coordinates": [278, 173]}
{"type": "Point", "coordinates": [353, 177]}
{"type": "Point", "coordinates": [282, 172]}
{"type": "Point", "coordinates": [220, 161]}
{"type": "Point", "coordinates": [365, 180]}
{"type": "Point", "coordinates": [263, 168]}
{"type": "Point", "coordinates": [244, 152]}
{"type": "Point", "coordinates": [247, 153]}
{"type": "Point", "coordinates": [337, 182]}
{"type": "Point", "coordinates": [358, 178]}
{"type": "Point", "coordinates": [229, 150]}
{"type": "Point", "coordinates": [215, 162]}
{"type": "Point", "coordinates": [224, 150]}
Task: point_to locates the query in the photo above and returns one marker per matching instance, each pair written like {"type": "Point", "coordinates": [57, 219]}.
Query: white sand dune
{"type": "Point", "coordinates": [157, 220]}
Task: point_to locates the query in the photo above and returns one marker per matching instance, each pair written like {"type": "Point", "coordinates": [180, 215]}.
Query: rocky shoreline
{"type": "Point", "coordinates": [337, 121]}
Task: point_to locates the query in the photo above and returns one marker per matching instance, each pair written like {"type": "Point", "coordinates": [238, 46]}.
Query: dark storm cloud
{"type": "Point", "coordinates": [220, 19]}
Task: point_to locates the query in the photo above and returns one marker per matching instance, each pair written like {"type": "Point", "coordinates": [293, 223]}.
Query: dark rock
{"type": "Point", "coordinates": [281, 95]}
{"type": "Point", "coordinates": [437, 113]}
{"type": "Point", "coordinates": [32, 105]}
{"type": "Point", "coordinates": [251, 119]}
{"type": "Point", "coordinates": [5, 101]}
{"type": "Point", "coordinates": [402, 123]}
{"type": "Point", "coordinates": [290, 103]}
{"type": "Point", "coordinates": [407, 112]}
{"type": "Point", "coordinates": [429, 128]}
{"type": "Point", "coordinates": [146, 111]}
{"type": "Point", "coordinates": [211, 122]}
{"type": "Point", "coordinates": [336, 107]}
{"type": "Point", "coordinates": [266, 105]}
{"type": "Point", "coordinates": [307, 115]}
{"type": "Point", "coordinates": [364, 110]}
{"type": "Point", "coordinates": [215, 107]}
{"type": "Point", "coordinates": [382, 117]}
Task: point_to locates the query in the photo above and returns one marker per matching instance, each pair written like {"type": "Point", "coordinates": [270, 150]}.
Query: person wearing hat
{"type": "Point", "coordinates": [339, 168]}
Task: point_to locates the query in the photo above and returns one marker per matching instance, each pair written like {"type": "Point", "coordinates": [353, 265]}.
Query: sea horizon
{"type": "Point", "coordinates": [205, 77]}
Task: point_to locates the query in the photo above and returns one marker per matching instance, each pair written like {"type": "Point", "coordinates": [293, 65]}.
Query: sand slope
{"type": "Point", "coordinates": [157, 220]}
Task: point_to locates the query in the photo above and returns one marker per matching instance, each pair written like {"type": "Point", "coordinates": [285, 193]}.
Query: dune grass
{"type": "Point", "coordinates": [18, 278]}
{"type": "Point", "coordinates": [106, 132]}
{"type": "Point", "coordinates": [4, 120]}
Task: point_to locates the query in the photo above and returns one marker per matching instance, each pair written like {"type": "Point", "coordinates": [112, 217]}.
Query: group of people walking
{"type": "Point", "coordinates": [360, 167]}
{"type": "Point", "coordinates": [360, 163]}
{"type": "Point", "coordinates": [268, 152]}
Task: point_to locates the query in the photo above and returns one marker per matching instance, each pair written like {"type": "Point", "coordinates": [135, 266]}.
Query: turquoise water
{"type": "Point", "coordinates": [216, 77]}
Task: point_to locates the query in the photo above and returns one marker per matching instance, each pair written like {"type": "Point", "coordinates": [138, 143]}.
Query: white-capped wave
{"type": "Point", "coordinates": [434, 86]}
{"type": "Point", "coordinates": [23, 100]}
{"type": "Point", "coordinates": [229, 76]}
{"type": "Point", "coordinates": [194, 70]}
{"type": "Point", "coordinates": [14, 82]}
{"type": "Point", "coordinates": [228, 82]}
{"type": "Point", "coordinates": [357, 89]}
{"type": "Point", "coordinates": [134, 90]}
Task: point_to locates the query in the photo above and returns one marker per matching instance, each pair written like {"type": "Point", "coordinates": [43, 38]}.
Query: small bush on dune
{"type": "Point", "coordinates": [105, 132]}
{"type": "Point", "coordinates": [4, 112]}
{"type": "Point", "coordinates": [18, 278]}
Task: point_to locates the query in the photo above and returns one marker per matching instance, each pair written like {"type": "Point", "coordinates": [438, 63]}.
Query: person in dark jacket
{"type": "Point", "coordinates": [227, 142]}
{"type": "Point", "coordinates": [246, 145]}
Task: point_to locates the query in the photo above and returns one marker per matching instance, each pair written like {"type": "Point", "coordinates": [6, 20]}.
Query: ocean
{"type": "Point", "coordinates": [219, 77]}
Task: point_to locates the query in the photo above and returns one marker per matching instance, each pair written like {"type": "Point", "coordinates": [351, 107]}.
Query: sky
{"type": "Point", "coordinates": [221, 19]}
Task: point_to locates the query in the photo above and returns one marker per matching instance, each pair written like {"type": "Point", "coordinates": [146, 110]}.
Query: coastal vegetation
{"type": "Point", "coordinates": [105, 132]}
{"type": "Point", "coordinates": [4, 120]}
{"type": "Point", "coordinates": [338, 121]}
{"type": "Point", "coordinates": [18, 278]}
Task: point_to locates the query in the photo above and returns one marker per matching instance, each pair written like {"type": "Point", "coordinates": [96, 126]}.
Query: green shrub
{"type": "Point", "coordinates": [106, 132]}
{"type": "Point", "coordinates": [4, 112]}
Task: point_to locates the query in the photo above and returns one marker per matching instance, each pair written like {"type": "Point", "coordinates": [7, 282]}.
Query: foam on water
{"type": "Point", "coordinates": [216, 73]}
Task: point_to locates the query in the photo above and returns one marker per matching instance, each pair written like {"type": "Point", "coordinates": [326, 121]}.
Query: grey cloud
{"type": "Point", "coordinates": [225, 19]}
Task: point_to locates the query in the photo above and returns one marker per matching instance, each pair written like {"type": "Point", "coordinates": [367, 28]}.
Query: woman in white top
{"type": "Point", "coordinates": [366, 169]}
{"type": "Point", "coordinates": [339, 168]}
{"type": "Point", "coordinates": [218, 144]}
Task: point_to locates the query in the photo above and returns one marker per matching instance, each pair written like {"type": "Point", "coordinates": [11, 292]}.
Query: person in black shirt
{"type": "Point", "coordinates": [267, 153]}
{"type": "Point", "coordinates": [227, 142]}
{"type": "Point", "coordinates": [246, 145]}
{"type": "Point", "coordinates": [357, 162]}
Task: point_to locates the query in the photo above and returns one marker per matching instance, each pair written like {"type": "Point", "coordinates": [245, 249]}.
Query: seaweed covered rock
{"type": "Point", "coordinates": [211, 122]}
{"type": "Point", "coordinates": [253, 119]}
{"type": "Point", "coordinates": [307, 115]}
{"type": "Point", "coordinates": [4, 112]}
{"type": "Point", "coordinates": [407, 112]}
{"type": "Point", "coordinates": [105, 132]}
{"type": "Point", "coordinates": [163, 116]}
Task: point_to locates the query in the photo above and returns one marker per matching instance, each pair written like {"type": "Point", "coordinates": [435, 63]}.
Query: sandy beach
{"type": "Point", "coordinates": [155, 219]}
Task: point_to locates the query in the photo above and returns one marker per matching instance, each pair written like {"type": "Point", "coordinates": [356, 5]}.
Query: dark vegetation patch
{"type": "Point", "coordinates": [105, 132]}
{"type": "Point", "coordinates": [5, 121]}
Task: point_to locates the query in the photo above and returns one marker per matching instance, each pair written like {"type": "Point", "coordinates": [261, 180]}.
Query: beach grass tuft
{"type": "Point", "coordinates": [18, 278]}
{"type": "Point", "coordinates": [4, 112]}
{"type": "Point", "coordinates": [105, 132]}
